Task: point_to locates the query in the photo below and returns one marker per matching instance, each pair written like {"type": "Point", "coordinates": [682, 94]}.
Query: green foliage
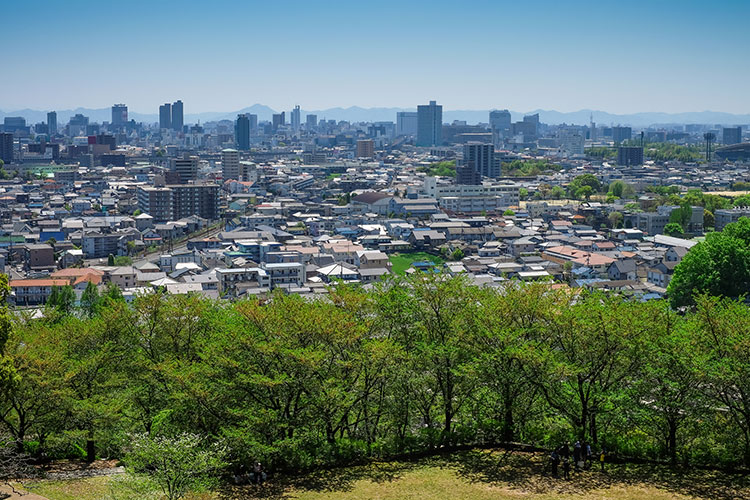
{"type": "Point", "coordinates": [62, 299]}
{"type": "Point", "coordinates": [137, 212]}
{"type": "Point", "coordinates": [742, 201]}
{"type": "Point", "coordinates": [110, 260]}
{"type": "Point", "coordinates": [442, 168]}
{"type": "Point", "coordinates": [602, 153]}
{"type": "Point", "coordinates": [620, 189]}
{"type": "Point", "coordinates": [509, 213]}
{"type": "Point", "coordinates": [667, 151]}
{"type": "Point", "coordinates": [719, 266]}
{"type": "Point", "coordinates": [741, 186]}
{"type": "Point", "coordinates": [528, 168]}
{"type": "Point", "coordinates": [674, 229]}
{"type": "Point", "coordinates": [523, 193]}
{"type": "Point", "coordinates": [122, 260]}
{"type": "Point", "coordinates": [583, 186]}
{"type": "Point", "coordinates": [90, 300]}
{"type": "Point", "coordinates": [457, 254]}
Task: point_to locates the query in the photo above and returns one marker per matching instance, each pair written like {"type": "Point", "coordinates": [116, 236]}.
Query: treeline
{"type": "Point", "coordinates": [413, 365]}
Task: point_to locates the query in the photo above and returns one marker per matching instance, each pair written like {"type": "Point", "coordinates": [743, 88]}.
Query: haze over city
{"type": "Point", "coordinates": [668, 56]}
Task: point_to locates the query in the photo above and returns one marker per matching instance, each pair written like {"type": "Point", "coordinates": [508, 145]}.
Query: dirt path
{"type": "Point", "coordinates": [25, 495]}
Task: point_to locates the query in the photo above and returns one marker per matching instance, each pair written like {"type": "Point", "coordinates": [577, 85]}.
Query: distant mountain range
{"type": "Point", "coordinates": [358, 114]}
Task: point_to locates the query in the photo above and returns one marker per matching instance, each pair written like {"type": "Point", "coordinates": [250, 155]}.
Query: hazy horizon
{"type": "Point", "coordinates": [672, 56]}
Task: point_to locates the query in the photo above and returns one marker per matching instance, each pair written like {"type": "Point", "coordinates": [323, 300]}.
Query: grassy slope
{"type": "Point", "coordinates": [473, 475]}
{"type": "Point", "coordinates": [402, 261]}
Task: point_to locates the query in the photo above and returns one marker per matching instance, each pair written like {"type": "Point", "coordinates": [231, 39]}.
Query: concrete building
{"type": "Point", "coordinates": [186, 167]}
{"type": "Point", "coordinates": [731, 135]}
{"type": "Point", "coordinates": [481, 157]}
{"type": "Point", "coordinates": [429, 125]}
{"type": "Point", "coordinates": [725, 216]}
{"type": "Point", "coordinates": [407, 123]}
{"type": "Point", "coordinates": [629, 156]}
{"type": "Point", "coordinates": [311, 122]}
{"type": "Point", "coordinates": [178, 116]}
{"type": "Point", "coordinates": [230, 164]}
{"type": "Point", "coordinates": [620, 134]}
{"type": "Point", "coordinates": [242, 133]}
{"type": "Point", "coordinates": [195, 199]}
{"type": "Point", "coordinates": [119, 116]}
{"type": "Point", "coordinates": [500, 123]}
{"type": "Point", "coordinates": [52, 123]}
{"type": "Point", "coordinates": [365, 148]}
{"type": "Point", "coordinates": [98, 245]}
{"type": "Point", "coordinates": [156, 202]}
{"type": "Point", "coordinates": [296, 119]}
{"type": "Point", "coordinates": [6, 147]}
{"type": "Point", "coordinates": [165, 116]}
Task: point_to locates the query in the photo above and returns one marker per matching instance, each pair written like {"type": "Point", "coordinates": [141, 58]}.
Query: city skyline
{"type": "Point", "coordinates": [671, 57]}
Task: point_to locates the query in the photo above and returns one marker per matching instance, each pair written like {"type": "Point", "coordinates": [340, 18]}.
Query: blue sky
{"type": "Point", "coordinates": [616, 56]}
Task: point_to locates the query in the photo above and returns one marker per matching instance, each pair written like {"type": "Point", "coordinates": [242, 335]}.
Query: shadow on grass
{"type": "Point", "coordinates": [324, 480]}
{"type": "Point", "coordinates": [528, 472]}
{"type": "Point", "coordinates": [525, 472]}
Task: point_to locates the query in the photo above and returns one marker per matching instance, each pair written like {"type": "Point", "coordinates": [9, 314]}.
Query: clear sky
{"type": "Point", "coordinates": [219, 55]}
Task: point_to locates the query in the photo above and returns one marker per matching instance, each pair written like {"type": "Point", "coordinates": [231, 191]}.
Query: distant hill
{"type": "Point", "coordinates": [359, 114]}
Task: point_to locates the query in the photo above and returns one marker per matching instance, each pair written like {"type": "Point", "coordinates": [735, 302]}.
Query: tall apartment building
{"type": "Point", "coordinates": [52, 122]}
{"type": "Point", "coordinates": [178, 117]}
{"type": "Point", "coordinates": [406, 123]}
{"type": "Point", "coordinates": [629, 155]}
{"type": "Point", "coordinates": [242, 132]}
{"type": "Point", "coordinates": [177, 201]}
{"type": "Point", "coordinates": [365, 148]}
{"type": "Point", "coordinates": [732, 135]}
{"type": "Point", "coordinates": [620, 134]}
{"type": "Point", "coordinates": [119, 115]}
{"type": "Point", "coordinates": [230, 164]}
{"type": "Point", "coordinates": [187, 167]}
{"type": "Point", "coordinates": [429, 125]}
{"type": "Point", "coordinates": [481, 158]}
{"type": "Point", "coordinates": [278, 120]}
{"type": "Point", "coordinates": [165, 116]}
{"type": "Point", "coordinates": [6, 147]}
{"type": "Point", "coordinates": [156, 202]}
{"type": "Point", "coordinates": [195, 199]}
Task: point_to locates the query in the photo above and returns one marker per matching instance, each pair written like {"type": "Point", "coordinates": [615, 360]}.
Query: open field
{"type": "Point", "coordinates": [402, 261]}
{"type": "Point", "coordinates": [470, 475]}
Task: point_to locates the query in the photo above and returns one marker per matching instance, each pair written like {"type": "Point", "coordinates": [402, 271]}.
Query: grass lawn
{"type": "Point", "coordinates": [400, 262]}
{"type": "Point", "coordinates": [469, 475]}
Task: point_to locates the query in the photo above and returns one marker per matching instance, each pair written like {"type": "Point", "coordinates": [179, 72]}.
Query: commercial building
{"type": "Point", "coordinates": [296, 119]}
{"type": "Point", "coordinates": [165, 116]}
{"type": "Point", "coordinates": [278, 120]}
{"type": "Point", "coordinates": [406, 123]}
{"type": "Point", "coordinates": [119, 116]}
{"type": "Point", "coordinates": [186, 167]}
{"type": "Point", "coordinates": [52, 122]}
{"type": "Point", "coordinates": [311, 122]}
{"type": "Point", "coordinates": [242, 132]}
{"type": "Point", "coordinates": [365, 148]}
{"type": "Point", "coordinates": [731, 135]}
{"type": "Point", "coordinates": [429, 125]}
{"type": "Point", "coordinates": [507, 192]}
{"type": "Point", "coordinates": [724, 216]}
{"type": "Point", "coordinates": [620, 134]}
{"type": "Point", "coordinates": [178, 117]}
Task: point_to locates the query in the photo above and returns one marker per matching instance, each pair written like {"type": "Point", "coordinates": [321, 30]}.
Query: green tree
{"type": "Point", "coordinates": [557, 192]}
{"type": "Point", "coordinates": [509, 213]}
{"type": "Point", "coordinates": [582, 181]}
{"type": "Point", "coordinates": [523, 193]}
{"type": "Point", "coordinates": [90, 300]}
{"type": "Point", "coordinates": [62, 299]}
{"type": "Point", "coordinates": [673, 229]}
{"type": "Point", "coordinates": [719, 266]}
{"type": "Point", "coordinates": [457, 254]}
{"type": "Point", "coordinates": [584, 192]}
{"type": "Point", "coordinates": [179, 465]}
{"type": "Point", "coordinates": [615, 219]}
{"type": "Point", "coordinates": [110, 260]}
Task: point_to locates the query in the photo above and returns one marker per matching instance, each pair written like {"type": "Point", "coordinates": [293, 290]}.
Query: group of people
{"type": "Point", "coordinates": [582, 458]}
{"type": "Point", "coordinates": [256, 475]}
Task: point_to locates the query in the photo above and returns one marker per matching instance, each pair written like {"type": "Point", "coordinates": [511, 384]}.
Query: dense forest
{"type": "Point", "coordinates": [411, 365]}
